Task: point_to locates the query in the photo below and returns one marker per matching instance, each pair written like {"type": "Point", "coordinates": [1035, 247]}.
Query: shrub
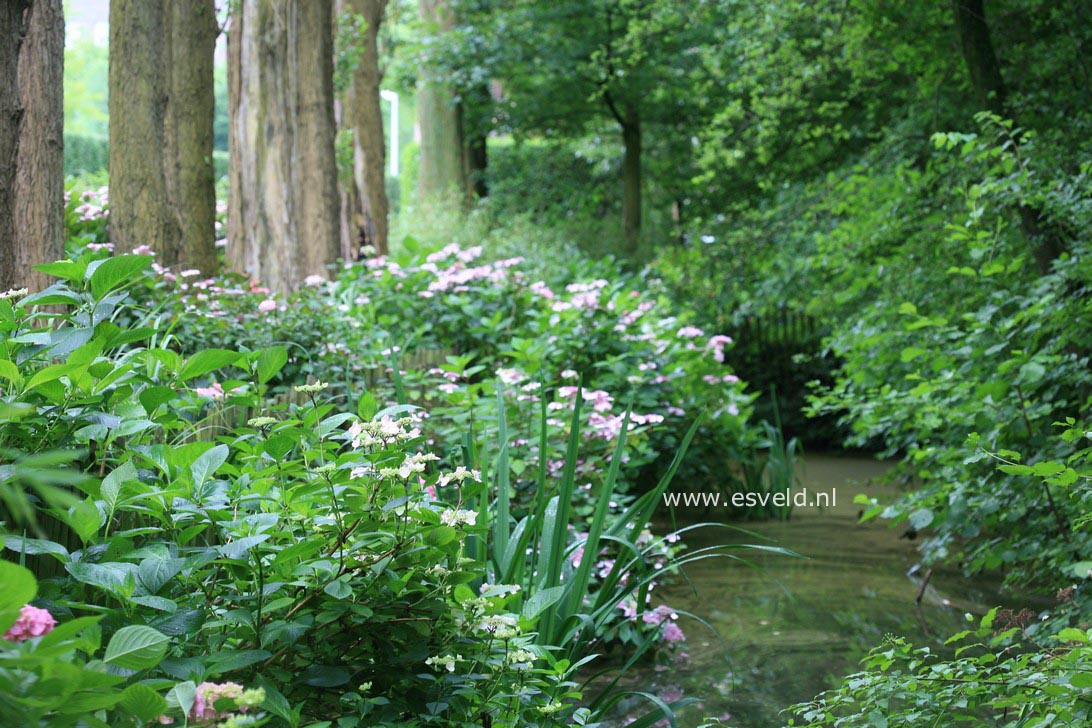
{"type": "Point", "coordinates": [222, 536]}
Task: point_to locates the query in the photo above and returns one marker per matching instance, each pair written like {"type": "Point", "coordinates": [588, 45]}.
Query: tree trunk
{"type": "Point", "coordinates": [189, 44]}
{"type": "Point", "coordinates": [31, 141]}
{"type": "Point", "coordinates": [440, 169]}
{"type": "Point", "coordinates": [989, 89]}
{"type": "Point", "coordinates": [11, 112]}
{"type": "Point", "coordinates": [631, 184]}
{"type": "Point", "coordinates": [978, 54]}
{"type": "Point", "coordinates": [365, 116]}
{"type": "Point", "coordinates": [475, 150]}
{"type": "Point", "coordinates": [282, 216]}
{"type": "Point", "coordinates": [140, 212]}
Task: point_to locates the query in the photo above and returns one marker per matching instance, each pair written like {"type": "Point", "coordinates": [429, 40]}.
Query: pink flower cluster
{"type": "Point", "coordinates": [204, 708]}
{"type": "Point", "coordinates": [216, 391]}
{"type": "Point", "coordinates": [32, 622]}
{"type": "Point", "coordinates": [717, 344]}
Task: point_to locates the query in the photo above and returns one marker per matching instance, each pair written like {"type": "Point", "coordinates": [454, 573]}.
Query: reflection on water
{"type": "Point", "coordinates": [793, 628]}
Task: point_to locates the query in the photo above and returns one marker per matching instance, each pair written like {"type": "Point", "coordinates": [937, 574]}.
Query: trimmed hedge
{"type": "Point", "coordinates": [86, 153]}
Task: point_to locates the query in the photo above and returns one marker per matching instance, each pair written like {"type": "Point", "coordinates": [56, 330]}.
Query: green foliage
{"type": "Point", "coordinates": [210, 529]}
{"type": "Point", "coordinates": [86, 75]}
{"type": "Point", "coordinates": [84, 153]}
{"type": "Point", "coordinates": [991, 681]}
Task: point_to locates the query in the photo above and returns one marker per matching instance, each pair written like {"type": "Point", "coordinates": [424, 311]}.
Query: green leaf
{"type": "Point", "coordinates": [1032, 372]}
{"type": "Point", "coordinates": [153, 573]}
{"type": "Point", "coordinates": [85, 520]}
{"type": "Point", "coordinates": [276, 703]}
{"type": "Point", "coordinates": [10, 372]}
{"type": "Point", "coordinates": [911, 353]}
{"type": "Point", "coordinates": [112, 272]}
{"type": "Point", "coordinates": [229, 661]}
{"type": "Point", "coordinates": [208, 463]}
{"type": "Point", "coordinates": [440, 535]}
{"type": "Point", "coordinates": [69, 270]}
{"type": "Point", "coordinates": [206, 361]}
{"type": "Point", "coordinates": [136, 648]}
{"type": "Point", "coordinates": [19, 588]}
{"type": "Point", "coordinates": [271, 361]}
{"type": "Point", "coordinates": [324, 676]}
{"type": "Point", "coordinates": [1071, 634]}
{"type": "Point", "coordinates": [143, 702]}
{"type": "Point", "coordinates": [338, 589]}
{"type": "Point", "coordinates": [50, 374]}
{"type": "Point", "coordinates": [112, 484]}
{"type": "Point", "coordinates": [111, 576]}
{"type": "Point", "coordinates": [182, 696]}
{"type": "Point", "coordinates": [277, 446]}
{"type": "Point", "coordinates": [35, 546]}
{"type": "Point", "coordinates": [542, 600]}
{"type": "Point", "coordinates": [238, 548]}
{"type": "Point", "coordinates": [367, 406]}
{"type": "Point", "coordinates": [152, 397]}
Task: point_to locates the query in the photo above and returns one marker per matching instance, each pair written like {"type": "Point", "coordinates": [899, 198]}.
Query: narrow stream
{"type": "Point", "coordinates": [795, 626]}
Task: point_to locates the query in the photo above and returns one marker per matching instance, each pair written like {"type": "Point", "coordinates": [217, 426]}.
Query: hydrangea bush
{"type": "Point", "coordinates": [249, 559]}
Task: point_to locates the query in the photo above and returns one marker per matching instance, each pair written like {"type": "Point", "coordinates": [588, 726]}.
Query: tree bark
{"type": "Point", "coordinates": [140, 212]}
{"type": "Point", "coordinates": [979, 55]}
{"type": "Point", "coordinates": [441, 168]}
{"type": "Point", "coordinates": [282, 214]}
{"type": "Point", "coordinates": [31, 141]}
{"type": "Point", "coordinates": [475, 149]}
{"type": "Point", "coordinates": [365, 116]}
{"type": "Point", "coordinates": [989, 89]}
{"type": "Point", "coordinates": [631, 184]}
{"type": "Point", "coordinates": [189, 43]}
{"type": "Point", "coordinates": [11, 113]}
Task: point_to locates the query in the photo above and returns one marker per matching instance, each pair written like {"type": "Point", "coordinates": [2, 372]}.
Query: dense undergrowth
{"type": "Point", "coordinates": [417, 493]}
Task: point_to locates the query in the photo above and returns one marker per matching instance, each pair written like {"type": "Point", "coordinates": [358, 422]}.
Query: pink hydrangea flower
{"type": "Point", "coordinates": [216, 391]}
{"type": "Point", "coordinates": [673, 633]}
{"type": "Point", "coordinates": [690, 332]}
{"type": "Point", "coordinates": [717, 344]}
{"type": "Point", "coordinates": [204, 708]}
{"type": "Point", "coordinates": [32, 622]}
{"type": "Point", "coordinates": [267, 305]}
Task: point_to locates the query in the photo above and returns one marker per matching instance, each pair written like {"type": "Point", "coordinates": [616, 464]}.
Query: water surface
{"type": "Point", "coordinates": [795, 626]}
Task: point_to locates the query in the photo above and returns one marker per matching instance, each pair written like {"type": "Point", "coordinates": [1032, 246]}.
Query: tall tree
{"type": "Point", "coordinates": [365, 117]}
{"type": "Point", "coordinates": [476, 127]}
{"type": "Point", "coordinates": [441, 169]}
{"type": "Point", "coordinates": [140, 212]}
{"type": "Point", "coordinates": [569, 67]}
{"type": "Point", "coordinates": [988, 84]}
{"type": "Point", "coordinates": [282, 208]}
{"type": "Point", "coordinates": [189, 46]}
{"type": "Point", "coordinates": [31, 140]}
